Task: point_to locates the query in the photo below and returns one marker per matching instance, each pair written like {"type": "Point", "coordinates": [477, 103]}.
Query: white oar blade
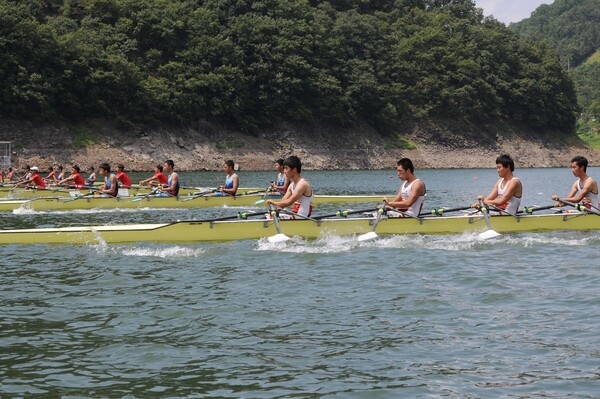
{"type": "Point", "coordinates": [486, 235]}
{"type": "Point", "coordinates": [371, 235]}
{"type": "Point", "coordinates": [261, 201]}
{"type": "Point", "coordinates": [278, 238]}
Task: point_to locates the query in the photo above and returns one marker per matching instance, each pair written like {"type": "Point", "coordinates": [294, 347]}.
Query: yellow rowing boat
{"type": "Point", "coordinates": [10, 192]}
{"type": "Point", "coordinates": [151, 201]}
{"type": "Point", "coordinates": [227, 230]}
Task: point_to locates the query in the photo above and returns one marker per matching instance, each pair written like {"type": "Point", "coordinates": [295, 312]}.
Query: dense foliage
{"type": "Point", "coordinates": [254, 63]}
{"type": "Point", "coordinates": [572, 27]}
{"type": "Point", "coordinates": [587, 80]}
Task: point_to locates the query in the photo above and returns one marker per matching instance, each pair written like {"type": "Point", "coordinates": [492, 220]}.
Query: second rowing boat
{"type": "Point", "coordinates": [150, 201]}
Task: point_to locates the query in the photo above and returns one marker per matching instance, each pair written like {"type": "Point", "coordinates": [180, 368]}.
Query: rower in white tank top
{"type": "Point", "coordinates": [416, 207]}
{"type": "Point", "coordinates": [512, 206]}
{"type": "Point", "coordinates": [303, 206]}
{"type": "Point", "coordinates": [593, 197]}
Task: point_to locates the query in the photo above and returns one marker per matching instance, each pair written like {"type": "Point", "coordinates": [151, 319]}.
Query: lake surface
{"type": "Point", "coordinates": [399, 317]}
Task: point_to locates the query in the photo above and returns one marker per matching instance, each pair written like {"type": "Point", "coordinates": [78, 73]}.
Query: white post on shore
{"type": "Point", "coordinates": [5, 153]}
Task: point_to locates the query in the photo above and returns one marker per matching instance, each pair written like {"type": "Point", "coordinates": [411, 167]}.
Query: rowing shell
{"type": "Point", "coordinates": [198, 231]}
{"type": "Point", "coordinates": [27, 193]}
{"type": "Point", "coordinates": [207, 201]}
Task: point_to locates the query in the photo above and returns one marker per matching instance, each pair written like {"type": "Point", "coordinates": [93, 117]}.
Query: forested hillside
{"type": "Point", "coordinates": [572, 28]}
{"type": "Point", "coordinates": [253, 64]}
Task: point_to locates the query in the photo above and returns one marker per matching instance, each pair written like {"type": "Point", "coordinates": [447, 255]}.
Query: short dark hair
{"type": "Point", "coordinates": [581, 162]}
{"type": "Point", "coordinates": [406, 164]}
{"type": "Point", "coordinates": [120, 166]}
{"type": "Point", "coordinates": [293, 162]}
{"type": "Point", "coordinates": [230, 163]}
{"type": "Point", "coordinates": [159, 167]}
{"type": "Point", "coordinates": [279, 161]}
{"type": "Point", "coordinates": [506, 161]}
{"type": "Point", "coordinates": [105, 166]}
{"type": "Point", "coordinates": [170, 163]}
{"type": "Point", "coordinates": [76, 168]}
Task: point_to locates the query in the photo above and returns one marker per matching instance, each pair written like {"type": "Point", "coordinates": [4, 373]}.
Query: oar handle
{"type": "Point", "coordinates": [580, 207]}
{"type": "Point", "coordinates": [264, 198]}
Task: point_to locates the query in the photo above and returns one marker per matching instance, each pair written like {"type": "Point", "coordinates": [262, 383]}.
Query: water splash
{"type": "Point", "coordinates": [463, 242]}
{"type": "Point", "coordinates": [163, 252]}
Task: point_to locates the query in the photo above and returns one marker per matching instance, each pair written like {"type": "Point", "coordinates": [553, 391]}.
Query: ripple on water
{"type": "Point", "coordinates": [401, 316]}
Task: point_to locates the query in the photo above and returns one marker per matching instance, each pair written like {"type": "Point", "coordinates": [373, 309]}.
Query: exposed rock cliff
{"type": "Point", "coordinates": [206, 147]}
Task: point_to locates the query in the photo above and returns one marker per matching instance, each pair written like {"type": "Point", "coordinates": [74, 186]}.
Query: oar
{"type": "Point", "coordinates": [80, 197]}
{"type": "Point", "coordinates": [279, 237]}
{"type": "Point", "coordinates": [502, 211]}
{"type": "Point", "coordinates": [594, 207]}
{"type": "Point", "coordinates": [441, 211]}
{"type": "Point", "coordinates": [239, 215]}
{"type": "Point", "coordinates": [580, 207]}
{"type": "Point", "coordinates": [152, 193]}
{"type": "Point", "coordinates": [201, 194]}
{"type": "Point", "coordinates": [295, 215]}
{"type": "Point", "coordinates": [345, 213]}
{"type": "Point", "coordinates": [263, 199]}
{"type": "Point", "coordinates": [528, 210]}
{"type": "Point", "coordinates": [489, 233]}
{"type": "Point", "coordinates": [251, 192]}
{"type": "Point", "coordinates": [371, 235]}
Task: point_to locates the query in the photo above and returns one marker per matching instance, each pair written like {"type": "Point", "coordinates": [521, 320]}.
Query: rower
{"type": "Point", "coordinates": [411, 195]}
{"type": "Point", "coordinates": [92, 177]}
{"type": "Point", "coordinates": [51, 177]}
{"type": "Point", "coordinates": [282, 183]}
{"type": "Point", "coordinates": [584, 189]}
{"type": "Point", "coordinates": [110, 188]}
{"type": "Point", "coordinates": [300, 193]}
{"type": "Point", "coordinates": [74, 180]}
{"type": "Point", "coordinates": [124, 180]}
{"type": "Point", "coordinates": [158, 179]}
{"type": "Point", "coordinates": [172, 186]}
{"type": "Point", "coordinates": [232, 180]}
{"type": "Point", "coordinates": [507, 192]}
{"type": "Point", "coordinates": [34, 179]}
{"type": "Point", "coordinates": [60, 174]}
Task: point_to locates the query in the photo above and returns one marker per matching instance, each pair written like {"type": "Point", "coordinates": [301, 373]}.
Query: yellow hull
{"type": "Point", "coordinates": [198, 231]}
{"type": "Point", "coordinates": [10, 192]}
{"type": "Point", "coordinates": [65, 203]}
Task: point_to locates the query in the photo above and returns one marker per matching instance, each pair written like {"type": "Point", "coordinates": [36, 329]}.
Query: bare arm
{"type": "Point", "coordinates": [590, 186]}
{"type": "Point", "coordinates": [283, 188]}
{"type": "Point", "coordinates": [236, 182]}
{"type": "Point", "coordinates": [400, 203]}
{"type": "Point", "coordinates": [114, 187]}
{"type": "Point", "coordinates": [174, 182]}
{"type": "Point", "coordinates": [66, 180]}
{"type": "Point", "coordinates": [302, 188]}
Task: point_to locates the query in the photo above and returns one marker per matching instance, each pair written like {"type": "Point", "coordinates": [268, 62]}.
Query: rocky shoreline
{"type": "Point", "coordinates": [206, 147]}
